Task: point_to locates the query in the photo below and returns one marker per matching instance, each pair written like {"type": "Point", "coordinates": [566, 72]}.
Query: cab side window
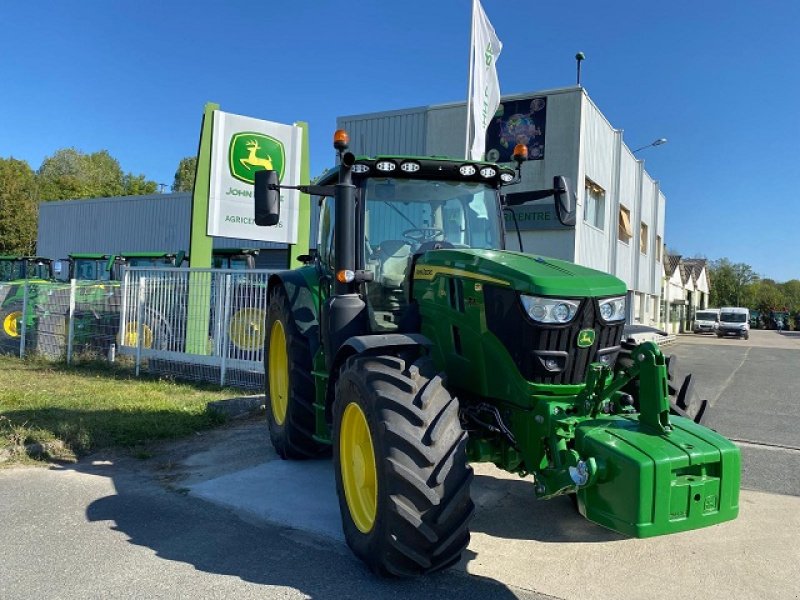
{"type": "Point", "coordinates": [326, 227]}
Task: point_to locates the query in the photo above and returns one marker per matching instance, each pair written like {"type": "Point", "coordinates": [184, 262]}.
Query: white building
{"type": "Point", "coordinates": [685, 290]}
{"type": "Point", "coordinates": [620, 227]}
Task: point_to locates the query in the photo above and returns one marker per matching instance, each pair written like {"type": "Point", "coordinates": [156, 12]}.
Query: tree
{"type": "Point", "coordinates": [18, 207]}
{"type": "Point", "coordinates": [184, 175]}
{"type": "Point", "coordinates": [791, 290]}
{"type": "Point", "coordinates": [71, 174]}
{"type": "Point", "coordinates": [729, 282]}
{"type": "Point", "coordinates": [137, 185]}
{"type": "Point", "coordinates": [767, 296]}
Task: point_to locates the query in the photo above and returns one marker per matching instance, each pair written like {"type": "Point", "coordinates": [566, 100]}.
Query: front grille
{"type": "Point", "coordinates": [532, 344]}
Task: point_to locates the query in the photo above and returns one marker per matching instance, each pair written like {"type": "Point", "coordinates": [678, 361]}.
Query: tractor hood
{"type": "Point", "coordinates": [527, 273]}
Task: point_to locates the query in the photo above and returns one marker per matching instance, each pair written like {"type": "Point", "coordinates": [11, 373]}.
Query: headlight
{"type": "Point", "coordinates": [549, 310]}
{"type": "Point", "coordinates": [613, 309]}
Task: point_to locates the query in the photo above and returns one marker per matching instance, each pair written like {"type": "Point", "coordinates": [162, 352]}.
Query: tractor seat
{"type": "Point", "coordinates": [394, 256]}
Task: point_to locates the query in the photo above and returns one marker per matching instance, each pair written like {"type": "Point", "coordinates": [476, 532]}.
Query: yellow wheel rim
{"type": "Point", "coordinates": [357, 459]}
{"type": "Point", "coordinates": [131, 337]}
{"type": "Point", "coordinates": [247, 330]}
{"type": "Point", "coordinates": [278, 373]}
{"type": "Point", "coordinates": [11, 323]}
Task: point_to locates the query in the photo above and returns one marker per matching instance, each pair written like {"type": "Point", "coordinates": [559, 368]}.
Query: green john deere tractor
{"type": "Point", "coordinates": [97, 307]}
{"type": "Point", "coordinates": [412, 342]}
{"type": "Point", "coordinates": [15, 272]}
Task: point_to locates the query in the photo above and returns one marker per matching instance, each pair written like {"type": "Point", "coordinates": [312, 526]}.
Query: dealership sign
{"type": "Point", "coordinates": [240, 147]}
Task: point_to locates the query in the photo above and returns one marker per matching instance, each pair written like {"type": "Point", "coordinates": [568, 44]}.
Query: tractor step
{"type": "Point", "coordinates": [650, 484]}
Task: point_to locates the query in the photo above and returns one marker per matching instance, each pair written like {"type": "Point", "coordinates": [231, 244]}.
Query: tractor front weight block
{"type": "Point", "coordinates": [658, 484]}
{"type": "Point", "coordinates": [658, 474]}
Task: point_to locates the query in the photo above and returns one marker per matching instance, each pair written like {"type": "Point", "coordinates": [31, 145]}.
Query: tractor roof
{"type": "Point", "coordinates": [89, 256]}
{"type": "Point", "coordinates": [429, 167]}
{"type": "Point", "coordinates": [100, 256]}
{"type": "Point", "coordinates": [31, 258]}
{"type": "Point", "coordinates": [236, 251]}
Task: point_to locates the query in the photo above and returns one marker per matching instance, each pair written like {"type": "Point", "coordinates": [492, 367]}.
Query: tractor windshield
{"type": "Point", "coordinates": [90, 269]}
{"type": "Point", "coordinates": [9, 270]}
{"type": "Point", "coordinates": [37, 270]}
{"type": "Point", "coordinates": [405, 214]}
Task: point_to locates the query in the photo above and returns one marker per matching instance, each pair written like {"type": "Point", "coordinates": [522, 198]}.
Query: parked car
{"type": "Point", "coordinates": [734, 321]}
{"type": "Point", "coordinates": [706, 320]}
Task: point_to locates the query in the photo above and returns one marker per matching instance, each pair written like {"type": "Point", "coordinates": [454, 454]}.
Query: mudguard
{"type": "Point", "coordinates": [303, 291]}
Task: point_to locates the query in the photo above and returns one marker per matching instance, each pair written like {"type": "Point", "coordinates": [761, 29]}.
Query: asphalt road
{"type": "Point", "coordinates": [753, 387]}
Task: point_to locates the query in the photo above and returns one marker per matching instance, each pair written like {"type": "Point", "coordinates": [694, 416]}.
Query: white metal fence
{"type": "Point", "coordinates": [196, 324]}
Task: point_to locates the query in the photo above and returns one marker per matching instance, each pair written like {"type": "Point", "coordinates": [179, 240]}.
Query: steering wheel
{"type": "Point", "coordinates": [419, 235]}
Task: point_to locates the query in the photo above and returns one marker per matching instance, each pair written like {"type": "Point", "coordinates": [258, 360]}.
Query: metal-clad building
{"type": "Point", "coordinates": [159, 222]}
{"type": "Point", "coordinates": [620, 226]}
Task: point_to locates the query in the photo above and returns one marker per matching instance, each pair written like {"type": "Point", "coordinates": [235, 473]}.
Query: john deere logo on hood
{"type": "Point", "coordinates": [585, 338]}
{"type": "Point", "coordinates": [250, 152]}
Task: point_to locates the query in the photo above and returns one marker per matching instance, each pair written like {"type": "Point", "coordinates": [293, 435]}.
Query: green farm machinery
{"type": "Point", "coordinates": [412, 343]}
{"type": "Point", "coordinates": [18, 273]}
{"type": "Point", "coordinates": [98, 300]}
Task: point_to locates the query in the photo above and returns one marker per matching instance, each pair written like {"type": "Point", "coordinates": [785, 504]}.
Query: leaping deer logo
{"type": "Point", "coordinates": [253, 160]}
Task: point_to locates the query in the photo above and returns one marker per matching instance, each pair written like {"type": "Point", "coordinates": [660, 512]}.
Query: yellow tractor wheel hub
{"type": "Point", "coordinates": [357, 463]}
{"type": "Point", "coordinates": [11, 323]}
{"type": "Point", "coordinates": [247, 329]}
{"type": "Point", "coordinates": [131, 337]}
{"type": "Point", "coordinates": [278, 373]}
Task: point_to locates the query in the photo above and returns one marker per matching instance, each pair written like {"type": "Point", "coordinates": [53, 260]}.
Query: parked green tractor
{"type": "Point", "coordinates": [97, 307]}
{"type": "Point", "coordinates": [412, 343]}
{"type": "Point", "coordinates": [15, 272]}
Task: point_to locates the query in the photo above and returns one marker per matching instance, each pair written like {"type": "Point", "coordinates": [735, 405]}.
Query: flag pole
{"type": "Point", "coordinates": [469, 85]}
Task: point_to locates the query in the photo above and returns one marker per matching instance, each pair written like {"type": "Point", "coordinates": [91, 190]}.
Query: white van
{"type": "Point", "coordinates": [734, 320]}
{"type": "Point", "coordinates": [706, 320]}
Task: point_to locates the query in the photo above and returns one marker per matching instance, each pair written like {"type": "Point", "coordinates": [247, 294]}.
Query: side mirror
{"type": "Point", "coordinates": [564, 200]}
{"type": "Point", "coordinates": [267, 197]}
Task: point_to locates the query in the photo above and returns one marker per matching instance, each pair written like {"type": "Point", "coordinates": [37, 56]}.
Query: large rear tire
{"type": "Point", "coordinates": [400, 461]}
{"type": "Point", "coordinates": [289, 383]}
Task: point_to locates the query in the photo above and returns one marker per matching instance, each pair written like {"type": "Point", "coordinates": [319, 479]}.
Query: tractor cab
{"type": "Point", "coordinates": [108, 267]}
{"type": "Point", "coordinates": [403, 218]}
{"type": "Point", "coordinates": [15, 268]}
{"type": "Point", "coordinates": [238, 259]}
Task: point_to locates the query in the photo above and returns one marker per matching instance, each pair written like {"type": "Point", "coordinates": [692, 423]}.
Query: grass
{"type": "Point", "coordinates": [73, 411]}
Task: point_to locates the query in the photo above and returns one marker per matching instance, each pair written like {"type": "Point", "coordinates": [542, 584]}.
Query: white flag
{"type": "Point", "coordinates": [485, 93]}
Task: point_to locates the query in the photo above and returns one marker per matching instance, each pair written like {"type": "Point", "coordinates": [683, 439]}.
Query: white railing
{"type": "Point", "coordinates": [198, 324]}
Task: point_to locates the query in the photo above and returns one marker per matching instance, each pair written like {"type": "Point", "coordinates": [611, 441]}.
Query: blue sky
{"type": "Point", "coordinates": [720, 80]}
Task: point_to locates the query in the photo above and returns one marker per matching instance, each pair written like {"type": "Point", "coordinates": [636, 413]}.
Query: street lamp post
{"type": "Point", "coordinates": [657, 142]}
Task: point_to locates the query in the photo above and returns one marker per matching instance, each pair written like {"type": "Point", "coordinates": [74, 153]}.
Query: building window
{"type": "Point", "coordinates": [625, 232]}
{"type": "Point", "coordinates": [643, 238]}
{"type": "Point", "coordinates": [594, 209]}
{"type": "Point", "coordinates": [658, 248]}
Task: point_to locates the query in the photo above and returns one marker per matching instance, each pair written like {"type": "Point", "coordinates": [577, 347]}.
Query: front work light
{"type": "Point", "coordinates": [613, 309]}
{"type": "Point", "coordinates": [549, 310]}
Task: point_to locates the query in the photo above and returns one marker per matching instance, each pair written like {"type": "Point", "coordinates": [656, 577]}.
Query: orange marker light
{"type": "Point", "coordinates": [340, 139]}
{"type": "Point", "coordinates": [520, 152]}
{"type": "Point", "coordinates": [345, 276]}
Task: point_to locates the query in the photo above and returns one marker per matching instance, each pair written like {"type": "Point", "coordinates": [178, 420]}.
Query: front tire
{"type": "Point", "coordinates": [400, 461]}
{"type": "Point", "coordinates": [289, 383]}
